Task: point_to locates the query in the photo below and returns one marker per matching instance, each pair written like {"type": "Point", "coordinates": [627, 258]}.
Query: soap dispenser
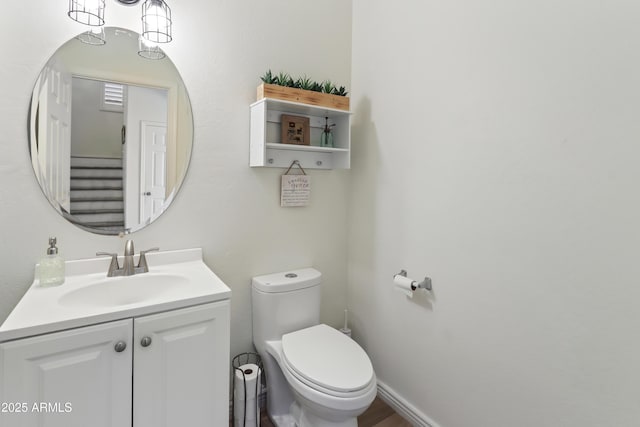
{"type": "Point", "coordinates": [51, 269]}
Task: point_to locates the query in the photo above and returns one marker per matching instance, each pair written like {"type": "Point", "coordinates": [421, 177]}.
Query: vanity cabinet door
{"type": "Point", "coordinates": [181, 368]}
{"type": "Point", "coordinates": [75, 378]}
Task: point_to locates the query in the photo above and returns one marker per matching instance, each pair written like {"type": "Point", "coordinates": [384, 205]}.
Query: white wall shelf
{"type": "Point", "coordinates": [267, 151]}
{"type": "Point", "coordinates": [293, 147]}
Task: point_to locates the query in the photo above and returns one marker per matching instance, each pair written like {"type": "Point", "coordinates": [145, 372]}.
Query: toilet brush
{"type": "Point", "coordinates": [345, 330]}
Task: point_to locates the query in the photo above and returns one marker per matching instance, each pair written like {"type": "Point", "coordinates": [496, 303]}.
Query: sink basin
{"type": "Point", "coordinates": [117, 291]}
{"type": "Point", "coordinates": [176, 279]}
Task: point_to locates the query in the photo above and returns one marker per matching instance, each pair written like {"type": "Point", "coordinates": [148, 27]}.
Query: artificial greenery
{"type": "Point", "coordinates": [304, 82]}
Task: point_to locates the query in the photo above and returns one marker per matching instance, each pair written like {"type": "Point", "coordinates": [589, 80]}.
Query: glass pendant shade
{"type": "Point", "coordinates": [149, 50]}
{"type": "Point", "coordinates": [95, 36]}
{"type": "Point", "coordinates": [156, 21]}
{"type": "Point", "coordinates": [87, 12]}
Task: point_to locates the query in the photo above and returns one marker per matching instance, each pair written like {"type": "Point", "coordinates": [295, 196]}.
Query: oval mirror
{"type": "Point", "coordinates": [110, 131]}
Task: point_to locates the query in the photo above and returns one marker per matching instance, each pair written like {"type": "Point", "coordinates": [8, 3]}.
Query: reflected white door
{"type": "Point", "coordinates": [54, 133]}
{"type": "Point", "coordinates": [153, 169]}
{"type": "Point", "coordinates": [143, 104]}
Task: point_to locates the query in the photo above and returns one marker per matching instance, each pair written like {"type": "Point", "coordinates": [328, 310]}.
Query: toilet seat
{"type": "Point", "coordinates": [327, 361]}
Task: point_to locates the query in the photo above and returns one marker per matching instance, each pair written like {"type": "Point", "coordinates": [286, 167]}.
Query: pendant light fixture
{"type": "Point", "coordinates": [156, 21]}
{"type": "Point", "coordinates": [149, 50]}
{"type": "Point", "coordinates": [87, 12]}
{"type": "Point", "coordinates": [95, 36]}
{"type": "Point", "coordinates": [156, 24]}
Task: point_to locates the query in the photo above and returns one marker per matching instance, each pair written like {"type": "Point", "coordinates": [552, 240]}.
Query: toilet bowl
{"type": "Point", "coordinates": [316, 376]}
{"type": "Point", "coordinates": [329, 374]}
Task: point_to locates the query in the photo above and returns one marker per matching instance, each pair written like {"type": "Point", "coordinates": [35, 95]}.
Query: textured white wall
{"type": "Point", "coordinates": [231, 211]}
{"type": "Point", "coordinates": [496, 150]}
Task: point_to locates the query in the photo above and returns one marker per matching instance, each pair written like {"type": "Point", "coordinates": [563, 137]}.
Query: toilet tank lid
{"type": "Point", "coordinates": [287, 281]}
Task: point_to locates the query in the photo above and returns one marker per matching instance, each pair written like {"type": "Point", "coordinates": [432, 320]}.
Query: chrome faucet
{"type": "Point", "coordinates": [128, 268]}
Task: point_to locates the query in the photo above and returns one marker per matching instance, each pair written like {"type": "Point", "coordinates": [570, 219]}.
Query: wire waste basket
{"type": "Point", "coordinates": [247, 386]}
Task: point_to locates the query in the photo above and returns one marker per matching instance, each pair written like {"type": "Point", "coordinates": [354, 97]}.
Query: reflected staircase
{"type": "Point", "coordinates": [97, 195]}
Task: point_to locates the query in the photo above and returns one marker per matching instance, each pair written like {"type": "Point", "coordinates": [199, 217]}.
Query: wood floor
{"type": "Point", "coordinates": [379, 414]}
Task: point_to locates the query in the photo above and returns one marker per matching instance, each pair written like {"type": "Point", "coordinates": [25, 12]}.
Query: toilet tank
{"type": "Point", "coordinates": [284, 302]}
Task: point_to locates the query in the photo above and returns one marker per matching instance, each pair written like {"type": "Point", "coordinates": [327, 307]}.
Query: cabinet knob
{"type": "Point", "coordinates": [145, 341]}
{"type": "Point", "coordinates": [120, 346]}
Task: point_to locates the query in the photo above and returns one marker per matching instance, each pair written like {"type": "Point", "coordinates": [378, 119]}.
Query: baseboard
{"type": "Point", "coordinates": [386, 393]}
{"type": "Point", "coordinates": [404, 408]}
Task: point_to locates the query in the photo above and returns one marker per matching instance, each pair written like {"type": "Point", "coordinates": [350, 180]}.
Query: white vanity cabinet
{"type": "Point", "coordinates": [76, 375]}
{"type": "Point", "coordinates": [181, 377]}
{"type": "Point", "coordinates": [163, 370]}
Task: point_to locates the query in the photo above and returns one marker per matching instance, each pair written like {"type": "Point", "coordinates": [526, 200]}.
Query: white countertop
{"type": "Point", "coordinates": [40, 310]}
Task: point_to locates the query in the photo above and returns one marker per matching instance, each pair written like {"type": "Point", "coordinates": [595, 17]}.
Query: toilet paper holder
{"type": "Point", "coordinates": [247, 414]}
{"type": "Point", "coordinates": [425, 284]}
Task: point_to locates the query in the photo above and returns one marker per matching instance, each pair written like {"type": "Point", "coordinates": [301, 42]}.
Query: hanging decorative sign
{"type": "Point", "coordinates": [296, 189]}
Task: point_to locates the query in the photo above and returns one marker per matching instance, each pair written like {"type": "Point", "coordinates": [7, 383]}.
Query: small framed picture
{"type": "Point", "coordinates": [295, 130]}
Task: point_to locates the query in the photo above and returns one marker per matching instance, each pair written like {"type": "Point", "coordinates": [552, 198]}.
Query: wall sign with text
{"type": "Point", "coordinates": [295, 190]}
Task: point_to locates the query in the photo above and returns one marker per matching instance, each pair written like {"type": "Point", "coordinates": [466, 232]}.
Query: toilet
{"type": "Point", "coordinates": [316, 376]}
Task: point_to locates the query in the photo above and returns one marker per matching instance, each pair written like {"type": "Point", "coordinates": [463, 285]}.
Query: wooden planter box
{"type": "Point", "coordinates": [303, 96]}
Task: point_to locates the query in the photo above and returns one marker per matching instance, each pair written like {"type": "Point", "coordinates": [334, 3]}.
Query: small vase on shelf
{"type": "Point", "coordinates": [326, 139]}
